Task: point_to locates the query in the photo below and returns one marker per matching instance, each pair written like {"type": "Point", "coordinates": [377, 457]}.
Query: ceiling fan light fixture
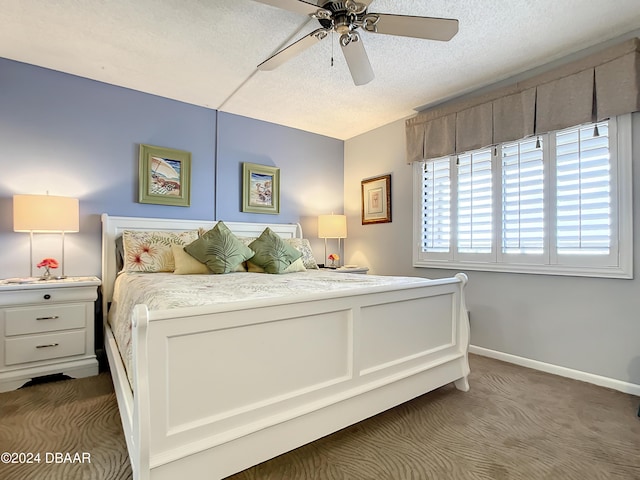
{"type": "Point", "coordinates": [343, 28]}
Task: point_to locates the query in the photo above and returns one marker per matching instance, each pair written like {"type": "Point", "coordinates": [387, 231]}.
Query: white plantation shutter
{"type": "Point", "coordinates": [584, 201]}
{"type": "Point", "coordinates": [562, 207]}
{"type": "Point", "coordinates": [436, 206]}
{"type": "Point", "coordinates": [523, 198]}
{"type": "Point", "coordinates": [475, 211]}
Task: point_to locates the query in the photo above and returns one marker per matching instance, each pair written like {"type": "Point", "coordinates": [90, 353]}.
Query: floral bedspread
{"type": "Point", "coordinates": [161, 291]}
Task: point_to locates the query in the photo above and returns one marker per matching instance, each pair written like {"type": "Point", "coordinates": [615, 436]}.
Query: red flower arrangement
{"type": "Point", "coordinates": [48, 264]}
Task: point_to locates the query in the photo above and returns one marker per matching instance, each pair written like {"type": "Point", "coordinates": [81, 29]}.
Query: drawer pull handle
{"type": "Point", "coordinates": [48, 318]}
{"type": "Point", "coordinates": [47, 346]}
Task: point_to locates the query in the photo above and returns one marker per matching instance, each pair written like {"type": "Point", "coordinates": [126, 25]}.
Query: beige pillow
{"type": "Point", "coordinates": [186, 264]}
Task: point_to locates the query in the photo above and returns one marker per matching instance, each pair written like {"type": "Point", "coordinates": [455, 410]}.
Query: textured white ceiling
{"type": "Point", "coordinates": [205, 52]}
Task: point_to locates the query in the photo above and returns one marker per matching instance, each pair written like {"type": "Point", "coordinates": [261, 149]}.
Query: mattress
{"type": "Point", "coordinates": [164, 291]}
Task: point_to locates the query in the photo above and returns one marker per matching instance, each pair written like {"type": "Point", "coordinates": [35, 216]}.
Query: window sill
{"type": "Point", "coordinates": [599, 272]}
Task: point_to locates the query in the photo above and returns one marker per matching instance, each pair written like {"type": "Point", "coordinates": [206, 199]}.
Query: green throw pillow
{"type": "Point", "coordinates": [219, 249]}
{"type": "Point", "coordinates": [273, 254]}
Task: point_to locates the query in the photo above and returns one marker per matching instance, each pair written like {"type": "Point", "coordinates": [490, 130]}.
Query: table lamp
{"type": "Point", "coordinates": [45, 214]}
{"type": "Point", "coordinates": [332, 226]}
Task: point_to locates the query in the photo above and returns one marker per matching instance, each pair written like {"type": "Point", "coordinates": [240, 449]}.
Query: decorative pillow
{"type": "Point", "coordinates": [186, 264]}
{"type": "Point", "coordinates": [296, 266]}
{"type": "Point", "coordinates": [219, 249]}
{"type": "Point", "coordinates": [119, 254]}
{"type": "Point", "coordinates": [151, 251]}
{"type": "Point", "coordinates": [272, 253]}
{"type": "Point", "coordinates": [304, 247]}
{"type": "Point", "coordinates": [247, 240]}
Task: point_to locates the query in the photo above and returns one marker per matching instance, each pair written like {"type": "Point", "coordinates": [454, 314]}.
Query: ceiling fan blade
{"type": "Point", "coordinates": [294, 49]}
{"type": "Point", "coordinates": [429, 28]}
{"type": "Point", "coordinates": [298, 6]}
{"type": "Point", "coordinates": [357, 60]}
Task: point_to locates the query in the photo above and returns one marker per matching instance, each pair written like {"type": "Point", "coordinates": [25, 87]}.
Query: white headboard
{"type": "Point", "coordinates": [112, 228]}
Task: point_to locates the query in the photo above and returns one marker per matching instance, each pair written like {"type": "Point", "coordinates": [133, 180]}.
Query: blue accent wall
{"type": "Point", "coordinates": [77, 137]}
{"type": "Point", "coordinates": [311, 170]}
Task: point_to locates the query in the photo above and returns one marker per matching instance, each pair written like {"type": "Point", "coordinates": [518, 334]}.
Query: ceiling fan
{"type": "Point", "coordinates": [345, 18]}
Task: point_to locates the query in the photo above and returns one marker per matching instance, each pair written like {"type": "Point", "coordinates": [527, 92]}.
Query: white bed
{"type": "Point", "coordinates": [310, 364]}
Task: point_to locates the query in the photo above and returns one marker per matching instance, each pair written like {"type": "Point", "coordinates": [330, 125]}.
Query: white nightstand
{"type": "Point", "coordinates": [47, 327]}
{"type": "Point", "coordinates": [358, 269]}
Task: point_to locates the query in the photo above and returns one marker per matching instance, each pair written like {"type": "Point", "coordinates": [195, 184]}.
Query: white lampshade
{"type": "Point", "coordinates": [332, 226]}
{"type": "Point", "coordinates": [45, 214]}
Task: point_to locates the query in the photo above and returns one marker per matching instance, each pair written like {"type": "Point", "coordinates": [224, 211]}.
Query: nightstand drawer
{"type": "Point", "coordinates": [23, 320]}
{"type": "Point", "coordinates": [44, 347]}
{"type": "Point", "coordinates": [45, 296]}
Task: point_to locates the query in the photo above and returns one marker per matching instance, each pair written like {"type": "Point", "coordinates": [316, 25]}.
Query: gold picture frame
{"type": "Point", "coordinates": [164, 176]}
{"type": "Point", "coordinates": [376, 200]}
{"type": "Point", "coordinates": [260, 189]}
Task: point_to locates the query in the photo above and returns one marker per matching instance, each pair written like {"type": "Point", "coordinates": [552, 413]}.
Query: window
{"type": "Point", "coordinates": [558, 204]}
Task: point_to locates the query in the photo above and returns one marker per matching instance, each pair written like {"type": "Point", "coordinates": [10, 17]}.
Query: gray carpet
{"type": "Point", "coordinates": [514, 423]}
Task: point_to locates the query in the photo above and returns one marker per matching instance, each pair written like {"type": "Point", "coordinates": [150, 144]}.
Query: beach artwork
{"type": "Point", "coordinates": [165, 177]}
{"type": "Point", "coordinates": [261, 190]}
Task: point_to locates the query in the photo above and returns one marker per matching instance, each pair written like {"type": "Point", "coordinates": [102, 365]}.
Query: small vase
{"type": "Point", "coordinates": [47, 274]}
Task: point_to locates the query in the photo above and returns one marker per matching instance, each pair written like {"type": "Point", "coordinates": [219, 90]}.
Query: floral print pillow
{"type": "Point", "coordinates": [151, 251]}
{"type": "Point", "coordinates": [304, 247]}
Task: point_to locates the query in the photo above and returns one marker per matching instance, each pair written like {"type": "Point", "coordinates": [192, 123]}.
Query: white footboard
{"type": "Point", "coordinates": [219, 389]}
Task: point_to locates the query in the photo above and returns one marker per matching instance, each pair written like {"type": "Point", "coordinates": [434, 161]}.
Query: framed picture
{"type": "Point", "coordinates": [165, 176]}
{"type": "Point", "coordinates": [260, 188]}
{"type": "Point", "coordinates": [376, 200]}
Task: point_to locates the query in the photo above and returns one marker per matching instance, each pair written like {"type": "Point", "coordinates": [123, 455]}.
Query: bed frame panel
{"type": "Point", "coordinates": [230, 386]}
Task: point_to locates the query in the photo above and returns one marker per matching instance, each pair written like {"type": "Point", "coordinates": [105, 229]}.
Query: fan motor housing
{"type": "Point", "coordinates": [342, 20]}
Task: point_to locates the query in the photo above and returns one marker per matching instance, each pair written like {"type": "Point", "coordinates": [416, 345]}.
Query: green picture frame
{"type": "Point", "coordinates": [164, 176]}
{"type": "Point", "coordinates": [260, 189]}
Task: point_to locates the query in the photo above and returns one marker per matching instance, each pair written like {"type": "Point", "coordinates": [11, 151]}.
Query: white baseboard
{"type": "Point", "coordinates": [607, 382]}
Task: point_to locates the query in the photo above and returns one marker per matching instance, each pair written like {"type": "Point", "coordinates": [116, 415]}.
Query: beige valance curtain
{"type": "Point", "coordinates": [600, 86]}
